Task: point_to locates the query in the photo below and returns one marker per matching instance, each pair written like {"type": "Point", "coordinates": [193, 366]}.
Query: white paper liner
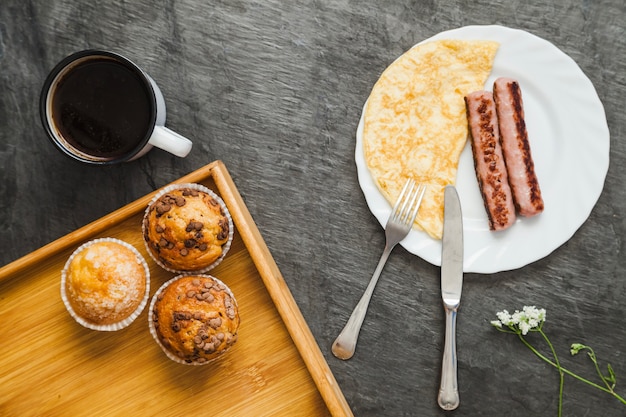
{"type": "Point", "coordinates": [153, 331]}
{"type": "Point", "coordinates": [114, 326]}
{"type": "Point", "coordinates": [225, 246]}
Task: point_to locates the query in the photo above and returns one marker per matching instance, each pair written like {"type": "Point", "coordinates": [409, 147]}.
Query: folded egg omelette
{"type": "Point", "coordinates": [415, 123]}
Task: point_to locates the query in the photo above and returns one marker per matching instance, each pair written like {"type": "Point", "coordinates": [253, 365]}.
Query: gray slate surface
{"type": "Point", "coordinates": [275, 90]}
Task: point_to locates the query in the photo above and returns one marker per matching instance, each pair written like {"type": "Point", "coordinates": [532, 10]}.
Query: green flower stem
{"type": "Point", "coordinates": [570, 373]}
{"type": "Point", "coordinates": [555, 363]}
{"type": "Point", "coordinates": [558, 364]}
{"type": "Point", "coordinates": [592, 356]}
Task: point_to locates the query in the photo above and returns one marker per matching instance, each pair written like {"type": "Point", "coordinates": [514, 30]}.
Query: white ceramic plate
{"type": "Point", "coordinates": [569, 138]}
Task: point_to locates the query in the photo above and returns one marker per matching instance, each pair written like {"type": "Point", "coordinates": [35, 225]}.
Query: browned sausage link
{"type": "Point", "coordinates": [488, 160]}
{"type": "Point", "coordinates": [516, 148]}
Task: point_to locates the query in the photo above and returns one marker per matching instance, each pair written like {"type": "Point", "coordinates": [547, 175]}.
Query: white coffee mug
{"type": "Point", "coordinates": [98, 107]}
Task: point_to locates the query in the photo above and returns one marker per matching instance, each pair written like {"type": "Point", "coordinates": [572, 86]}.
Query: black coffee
{"type": "Point", "coordinates": [103, 108]}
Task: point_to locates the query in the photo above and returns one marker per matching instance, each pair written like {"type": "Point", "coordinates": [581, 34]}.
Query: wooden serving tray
{"type": "Point", "coordinates": [52, 366]}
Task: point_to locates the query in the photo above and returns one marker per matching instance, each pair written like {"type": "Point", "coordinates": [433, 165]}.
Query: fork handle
{"type": "Point", "coordinates": [449, 390]}
{"type": "Point", "coordinates": [345, 344]}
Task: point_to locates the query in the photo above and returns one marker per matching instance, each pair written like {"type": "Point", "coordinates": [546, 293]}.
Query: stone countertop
{"type": "Point", "coordinates": [275, 90]}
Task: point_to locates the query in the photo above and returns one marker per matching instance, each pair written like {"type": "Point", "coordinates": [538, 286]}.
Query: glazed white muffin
{"type": "Point", "coordinates": [105, 284]}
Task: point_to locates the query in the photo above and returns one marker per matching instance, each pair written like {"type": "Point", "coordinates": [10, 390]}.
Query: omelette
{"type": "Point", "coordinates": [415, 123]}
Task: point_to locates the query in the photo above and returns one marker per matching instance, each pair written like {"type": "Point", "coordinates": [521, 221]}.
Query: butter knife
{"type": "Point", "coordinates": [451, 286]}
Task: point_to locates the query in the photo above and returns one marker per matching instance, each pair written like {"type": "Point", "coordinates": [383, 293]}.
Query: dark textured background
{"type": "Point", "coordinates": [275, 90]}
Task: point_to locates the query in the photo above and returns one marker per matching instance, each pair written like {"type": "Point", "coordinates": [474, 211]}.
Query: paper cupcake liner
{"type": "Point", "coordinates": [105, 327]}
{"type": "Point", "coordinates": [153, 331]}
{"type": "Point", "coordinates": [225, 246]}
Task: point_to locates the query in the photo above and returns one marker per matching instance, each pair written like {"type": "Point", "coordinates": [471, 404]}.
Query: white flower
{"type": "Point", "coordinates": [496, 323]}
{"type": "Point", "coordinates": [538, 313]}
{"type": "Point", "coordinates": [504, 317]}
{"type": "Point", "coordinates": [534, 312]}
{"type": "Point", "coordinates": [524, 327]}
{"type": "Point", "coordinates": [526, 320]}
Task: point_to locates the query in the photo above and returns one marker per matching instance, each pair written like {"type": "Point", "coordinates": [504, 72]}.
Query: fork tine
{"type": "Point", "coordinates": [417, 202]}
{"type": "Point", "coordinates": [403, 199]}
{"type": "Point", "coordinates": [409, 201]}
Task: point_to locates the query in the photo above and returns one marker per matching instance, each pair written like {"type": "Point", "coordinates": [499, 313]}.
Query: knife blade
{"type": "Point", "coordinates": [451, 287]}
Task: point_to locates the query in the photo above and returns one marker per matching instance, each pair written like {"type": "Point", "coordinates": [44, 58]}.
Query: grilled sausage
{"type": "Point", "coordinates": [488, 160]}
{"type": "Point", "coordinates": [515, 147]}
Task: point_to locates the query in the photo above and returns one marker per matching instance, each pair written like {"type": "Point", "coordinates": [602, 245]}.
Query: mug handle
{"type": "Point", "coordinates": [170, 141]}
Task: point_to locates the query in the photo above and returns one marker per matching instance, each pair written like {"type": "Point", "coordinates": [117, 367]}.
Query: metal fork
{"type": "Point", "coordinates": [398, 226]}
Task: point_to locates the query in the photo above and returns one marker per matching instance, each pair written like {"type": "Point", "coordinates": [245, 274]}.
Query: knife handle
{"type": "Point", "coordinates": [449, 390]}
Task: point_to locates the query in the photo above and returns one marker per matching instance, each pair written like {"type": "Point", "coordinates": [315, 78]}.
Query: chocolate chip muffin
{"type": "Point", "coordinates": [187, 228]}
{"type": "Point", "coordinates": [105, 284]}
{"type": "Point", "coordinates": [194, 318]}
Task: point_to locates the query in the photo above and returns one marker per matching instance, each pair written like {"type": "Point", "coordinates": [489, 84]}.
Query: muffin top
{"type": "Point", "coordinates": [105, 282]}
{"type": "Point", "coordinates": [186, 229]}
{"type": "Point", "coordinates": [195, 318]}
